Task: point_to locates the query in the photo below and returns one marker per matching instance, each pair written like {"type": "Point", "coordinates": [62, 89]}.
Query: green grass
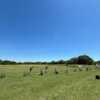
{"type": "Point", "coordinates": [19, 84]}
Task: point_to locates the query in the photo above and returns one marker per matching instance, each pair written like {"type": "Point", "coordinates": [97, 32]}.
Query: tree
{"type": "Point", "coordinates": [73, 60]}
{"type": "Point", "coordinates": [61, 62]}
{"type": "Point", "coordinates": [84, 59]}
{"type": "Point", "coordinates": [97, 62]}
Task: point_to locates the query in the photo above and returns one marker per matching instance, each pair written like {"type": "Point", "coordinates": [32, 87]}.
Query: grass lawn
{"type": "Point", "coordinates": [79, 85]}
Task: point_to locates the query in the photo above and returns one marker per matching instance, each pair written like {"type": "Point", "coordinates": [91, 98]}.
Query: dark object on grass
{"type": "Point", "coordinates": [30, 69]}
{"type": "Point", "coordinates": [55, 71]}
{"type": "Point", "coordinates": [41, 72]}
{"type": "Point", "coordinates": [97, 77]}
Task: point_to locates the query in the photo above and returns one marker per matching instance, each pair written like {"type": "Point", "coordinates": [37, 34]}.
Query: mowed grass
{"type": "Point", "coordinates": [79, 85]}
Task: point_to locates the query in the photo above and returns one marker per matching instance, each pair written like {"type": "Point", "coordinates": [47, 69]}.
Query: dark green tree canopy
{"type": "Point", "coordinates": [82, 59]}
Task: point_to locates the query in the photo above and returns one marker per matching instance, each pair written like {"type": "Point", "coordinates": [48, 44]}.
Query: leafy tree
{"type": "Point", "coordinates": [84, 59]}
{"type": "Point", "coordinates": [72, 61]}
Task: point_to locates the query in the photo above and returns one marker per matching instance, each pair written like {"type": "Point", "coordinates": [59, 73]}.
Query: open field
{"type": "Point", "coordinates": [18, 84]}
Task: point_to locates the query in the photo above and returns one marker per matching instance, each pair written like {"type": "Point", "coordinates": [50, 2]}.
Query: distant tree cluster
{"type": "Point", "coordinates": [7, 62]}
{"type": "Point", "coordinates": [82, 59]}
{"type": "Point", "coordinates": [97, 62]}
{"type": "Point", "coordinates": [58, 62]}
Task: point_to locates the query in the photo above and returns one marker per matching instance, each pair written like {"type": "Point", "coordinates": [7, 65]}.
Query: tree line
{"type": "Point", "coordinates": [82, 59]}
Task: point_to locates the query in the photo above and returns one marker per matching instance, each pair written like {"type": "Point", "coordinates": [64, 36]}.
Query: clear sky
{"type": "Point", "coordinates": [34, 30]}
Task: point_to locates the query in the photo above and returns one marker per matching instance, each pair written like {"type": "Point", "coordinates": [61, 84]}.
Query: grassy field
{"type": "Point", "coordinates": [18, 84]}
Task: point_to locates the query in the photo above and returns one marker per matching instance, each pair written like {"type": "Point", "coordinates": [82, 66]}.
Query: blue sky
{"type": "Point", "coordinates": [34, 30]}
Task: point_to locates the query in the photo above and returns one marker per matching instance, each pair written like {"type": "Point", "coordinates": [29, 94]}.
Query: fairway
{"type": "Point", "coordinates": [79, 85]}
